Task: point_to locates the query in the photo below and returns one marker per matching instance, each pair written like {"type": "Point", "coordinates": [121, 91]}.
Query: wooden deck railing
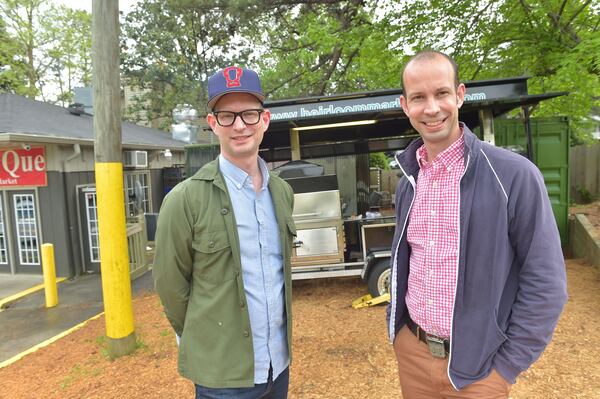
{"type": "Point", "coordinates": [136, 244]}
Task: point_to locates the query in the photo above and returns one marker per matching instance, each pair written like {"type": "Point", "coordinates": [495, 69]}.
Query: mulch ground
{"type": "Point", "coordinates": [339, 352]}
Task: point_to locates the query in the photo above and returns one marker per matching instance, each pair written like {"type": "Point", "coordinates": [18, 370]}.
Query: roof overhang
{"type": "Point", "coordinates": [44, 139]}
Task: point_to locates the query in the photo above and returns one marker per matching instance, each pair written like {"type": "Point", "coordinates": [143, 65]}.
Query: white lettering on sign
{"type": "Point", "coordinates": [39, 163]}
{"type": "Point", "coordinates": [475, 97]}
{"type": "Point", "coordinates": [13, 163]}
{"type": "Point", "coordinates": [306, 112]}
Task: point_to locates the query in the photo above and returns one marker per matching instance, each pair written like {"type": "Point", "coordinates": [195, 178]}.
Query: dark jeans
{"type": "Point", "coordinates": [277, 389]}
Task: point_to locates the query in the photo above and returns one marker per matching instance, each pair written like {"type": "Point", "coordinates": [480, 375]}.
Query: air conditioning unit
{"type": "Point", "coordinates": [135, 159]}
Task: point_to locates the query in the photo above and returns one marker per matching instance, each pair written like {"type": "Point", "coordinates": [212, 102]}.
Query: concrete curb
{"type": "Point", "coordinates": [47, 342]}
{"type": "Point", "coordinates": [584, 240]}
{"type": "Point", "coordinates": [6, 301]}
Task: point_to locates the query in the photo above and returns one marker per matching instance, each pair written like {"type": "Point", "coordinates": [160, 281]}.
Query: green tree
{"type": "Point", "coordinates": [378, 160]}
{"type": "Point", "coordinates": [324, 48]}
{"type": "Point", "coordinates": [50, 47]}
{"type": "Point", "coordinates": [12, 72]}
{"type": "Point", "coordinates": [68, 38]}
{"type": "Point", "coordinates": [21, 17]}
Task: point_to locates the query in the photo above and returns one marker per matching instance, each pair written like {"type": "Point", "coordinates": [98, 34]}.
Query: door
{"type": "Point", "coordinates": [90, 238]}
{"type": "Point", "coordinates": [551, 155]}
{"type": "Point", "coordinates": [25, 247]}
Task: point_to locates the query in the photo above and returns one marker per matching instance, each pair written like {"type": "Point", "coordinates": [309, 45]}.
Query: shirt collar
{"type": "Point", "coordinates": [446, 158]}
{"type": "Point", "coordinates": [238, 177]}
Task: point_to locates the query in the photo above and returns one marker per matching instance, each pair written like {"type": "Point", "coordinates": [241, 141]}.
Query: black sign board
{"type": "Point", "coordinates": [372, 103]}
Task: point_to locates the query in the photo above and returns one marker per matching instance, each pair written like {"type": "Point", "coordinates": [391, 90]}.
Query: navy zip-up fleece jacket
{"type": "Point", "coordinates": [511, 284]}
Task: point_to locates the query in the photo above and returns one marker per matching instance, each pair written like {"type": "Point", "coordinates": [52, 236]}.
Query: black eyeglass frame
{"type": "Point", "coordinates": [240, 114]}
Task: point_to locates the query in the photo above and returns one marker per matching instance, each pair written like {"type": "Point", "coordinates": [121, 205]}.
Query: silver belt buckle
{"type": "Point", "coordinates": [436, 347]}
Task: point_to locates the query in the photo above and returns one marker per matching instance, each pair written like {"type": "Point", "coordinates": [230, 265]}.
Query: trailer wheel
{"type": "Point", "coordinates": [379, 278]}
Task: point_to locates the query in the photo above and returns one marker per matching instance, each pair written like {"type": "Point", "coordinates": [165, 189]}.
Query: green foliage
{"type": "Point", "coordinates": [329, 48]}
{"type": "Point", "coordinates": [585, 196]}
{"type": "Point", "coordinates": [47, 48]}
{"type": "Point", "coordinates": [378, 160]}
{"type": "Point", "coordinates": [67, 34]}
{"type": "Point", "coordinates": [12, 74]}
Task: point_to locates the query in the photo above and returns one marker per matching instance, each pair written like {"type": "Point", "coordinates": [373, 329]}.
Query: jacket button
{"type": "Point", "coordinates": [224, 211]}
{"type": "Point", "coordinates": [211, 244]}
{"type": "Point", "coordinates": [246, 333]}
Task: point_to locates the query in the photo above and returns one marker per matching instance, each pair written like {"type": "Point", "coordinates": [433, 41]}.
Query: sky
{"type": "Point", "coordinates": [124, 5]}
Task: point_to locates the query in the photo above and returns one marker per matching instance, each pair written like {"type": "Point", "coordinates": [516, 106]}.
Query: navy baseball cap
{"type": "Point", "coordinates": [233, 80]}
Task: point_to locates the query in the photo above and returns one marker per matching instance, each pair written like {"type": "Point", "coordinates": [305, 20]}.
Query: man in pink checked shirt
{"type": "Point", "coordinates": [478, 277]}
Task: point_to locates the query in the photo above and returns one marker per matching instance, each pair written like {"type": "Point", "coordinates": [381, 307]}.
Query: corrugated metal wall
{"type": "Point", "coordinates": [551, 155]}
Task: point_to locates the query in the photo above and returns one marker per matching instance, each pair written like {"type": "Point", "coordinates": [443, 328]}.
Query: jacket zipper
{"type": "Point", "coordinates": [392, 326]}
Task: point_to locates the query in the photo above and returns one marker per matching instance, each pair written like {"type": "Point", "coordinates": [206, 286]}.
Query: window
{"type": "Point", "coordinates": [92, 225]}
{"type": "Point", "coordinates": [141, 180]}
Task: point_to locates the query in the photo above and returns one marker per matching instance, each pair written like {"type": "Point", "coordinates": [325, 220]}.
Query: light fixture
{"type": "Point", "coordinates": [331, 125]}
{"type": "Point", "coordinates": [167, 153]}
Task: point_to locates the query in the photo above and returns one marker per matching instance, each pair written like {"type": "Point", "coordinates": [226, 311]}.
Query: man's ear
{"type": "Point", "coordinates": [403, 104]}
{"type": "Point", "coordinates": [212, 121]}
{"type": "Point", "coordinates": [266, 117]}
{"type": "Point", "coordinates": [460, 94]}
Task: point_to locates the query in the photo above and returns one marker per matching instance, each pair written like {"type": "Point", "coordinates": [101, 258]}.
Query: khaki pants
{"type": "Point", "coordinates": [423, 376]}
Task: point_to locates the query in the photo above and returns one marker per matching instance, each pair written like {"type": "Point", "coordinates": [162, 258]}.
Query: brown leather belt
{"type": "Point", "coordinates": [434, 343]}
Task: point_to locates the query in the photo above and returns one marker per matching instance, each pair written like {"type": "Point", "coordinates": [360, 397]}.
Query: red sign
{"type": "Point", "coordinates": [23, 167]}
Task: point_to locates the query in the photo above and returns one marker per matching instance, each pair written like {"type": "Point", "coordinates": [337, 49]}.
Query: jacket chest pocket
{"type": "Point", "coordinates": [213, 260]}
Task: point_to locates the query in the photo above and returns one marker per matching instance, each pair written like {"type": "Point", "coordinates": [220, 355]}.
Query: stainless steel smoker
{"type": "Point", "coordinates": [318, 218]}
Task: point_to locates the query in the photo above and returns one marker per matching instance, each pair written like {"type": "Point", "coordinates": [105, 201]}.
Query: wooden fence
{"type": "Point", "coordinates": [136, 245]}
{"type": "Point", "coordinates": [584, 173]}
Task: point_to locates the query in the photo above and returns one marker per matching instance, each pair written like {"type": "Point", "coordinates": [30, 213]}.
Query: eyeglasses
{"type": "Point", "coordinates": [249, 117]}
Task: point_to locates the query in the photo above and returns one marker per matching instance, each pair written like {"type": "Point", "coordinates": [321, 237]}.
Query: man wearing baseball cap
{"type": "Point", "coordinates": [222, 260]}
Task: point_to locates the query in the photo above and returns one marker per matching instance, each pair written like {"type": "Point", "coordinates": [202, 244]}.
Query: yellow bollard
{"type": "Point", "coordinates": [49, 275]}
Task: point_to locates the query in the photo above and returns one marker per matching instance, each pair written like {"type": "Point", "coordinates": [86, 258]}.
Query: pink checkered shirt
{"type": "Point", "coordinates": [433, 238]}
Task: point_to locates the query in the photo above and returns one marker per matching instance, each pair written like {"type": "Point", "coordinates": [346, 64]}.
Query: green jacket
{"type": "Point", "coordinates": [197, 274]}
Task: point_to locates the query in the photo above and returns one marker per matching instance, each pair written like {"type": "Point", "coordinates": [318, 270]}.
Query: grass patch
{"type": "Point", "coordinates": [79, 372]}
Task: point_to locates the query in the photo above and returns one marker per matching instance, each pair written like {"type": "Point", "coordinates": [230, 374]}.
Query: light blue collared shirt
{"type": "Point", "coordinates": [262, 268]}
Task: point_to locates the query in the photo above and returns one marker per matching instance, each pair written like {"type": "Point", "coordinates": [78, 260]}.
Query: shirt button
{"type": "Point", "coordinates": [246, 333]}
{"type": "Point", "coordinates": [432, 213]}
{"type": "Point", "coordinates": [430, 301]}
{"type": "Point", "coordinates": [224, 211]}
{"type": "Point", "coordinates": [211, 244]}
{"type": "Point", "coordinates": [220, 324]}
{"type": "Point", "coordinates": [434, 184]}
{"type": "Point", "coordinates": [431, 243]}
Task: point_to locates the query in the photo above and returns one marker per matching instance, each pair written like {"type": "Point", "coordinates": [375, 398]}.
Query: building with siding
{"type": "Point", "coordinates": [47, 183]}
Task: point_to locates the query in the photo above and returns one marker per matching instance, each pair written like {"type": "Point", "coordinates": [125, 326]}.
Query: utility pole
{"type": "Point", "coordinates": [114, 259]}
